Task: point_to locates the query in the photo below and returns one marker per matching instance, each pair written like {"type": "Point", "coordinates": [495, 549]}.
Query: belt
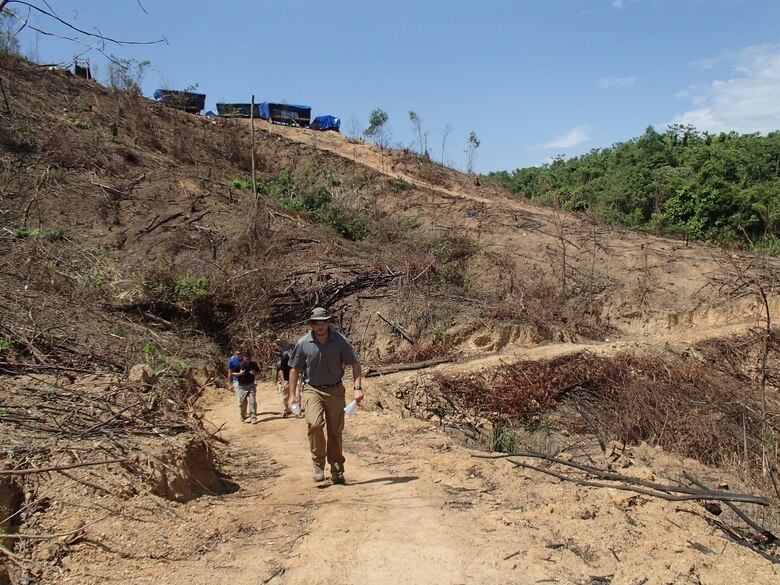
{"type": "Point", "coordinates": [318, 386]}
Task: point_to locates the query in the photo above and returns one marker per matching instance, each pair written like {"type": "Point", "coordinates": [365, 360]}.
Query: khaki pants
{"type": "Point", "coordinates": [246, 397]}
{"type": "Point", "coordinates": [325, 413]}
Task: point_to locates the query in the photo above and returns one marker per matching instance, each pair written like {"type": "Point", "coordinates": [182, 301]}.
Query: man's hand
{"type": "Point", "coordinates": [358, 395]}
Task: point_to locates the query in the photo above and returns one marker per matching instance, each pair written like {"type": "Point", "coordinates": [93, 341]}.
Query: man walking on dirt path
{"type": "Point", "coordinates": [245, 372]}
{"type": "Point", "coordinates": [322, 355]}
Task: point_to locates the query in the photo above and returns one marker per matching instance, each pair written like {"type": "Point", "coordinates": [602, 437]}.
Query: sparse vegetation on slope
{"type": "Point", "coordinates": [130, 237]}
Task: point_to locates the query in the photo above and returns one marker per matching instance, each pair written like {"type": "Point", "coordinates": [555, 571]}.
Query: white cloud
{"type": "Point", "coordinates": [572, 138]}
{"type": "Point", "coordinates": [747, 102]}
{"type": "Point", "coordinates": [617, 4]}
{"type": "Point", "coordinates": [618, 82]}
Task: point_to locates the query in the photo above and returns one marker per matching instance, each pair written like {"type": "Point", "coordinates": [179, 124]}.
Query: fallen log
{"type": "Point", "coordinates": [685, 495]}
{"type": "Point", "coordinates": [654, 488]}
{"type": "Point", "coordinates": [371, 372]}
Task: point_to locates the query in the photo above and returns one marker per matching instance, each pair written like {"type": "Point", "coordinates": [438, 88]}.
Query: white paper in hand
{"type": "Point", "coordinates": [351, 408]}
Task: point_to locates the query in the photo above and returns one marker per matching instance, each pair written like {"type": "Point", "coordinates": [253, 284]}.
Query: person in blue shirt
{"type": "Point", "coordinates": [235, 359]}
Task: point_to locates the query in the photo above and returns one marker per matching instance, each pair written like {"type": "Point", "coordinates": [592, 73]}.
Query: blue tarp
{"type": "Point", "coordinates": [326, 123]}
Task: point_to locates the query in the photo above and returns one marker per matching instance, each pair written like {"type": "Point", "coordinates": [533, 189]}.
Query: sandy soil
{"type": "Point", "coordinates": [418, 507]}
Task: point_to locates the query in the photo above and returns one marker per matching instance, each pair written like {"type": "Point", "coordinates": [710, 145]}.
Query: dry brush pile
{"type": "Point", "coordinates": [704, 403]}
{"type": "Point", "coordinates": [679, 402]}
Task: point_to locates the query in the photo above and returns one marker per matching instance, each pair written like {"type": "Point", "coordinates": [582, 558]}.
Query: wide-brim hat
{"type": "Point", "coordinates": [319, 314]}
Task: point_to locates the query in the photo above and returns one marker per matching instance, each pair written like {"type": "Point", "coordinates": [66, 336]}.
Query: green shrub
{"type": "Point", "coordinates": [352, 228]}
{"type": "Point", "coordinates": [53, 235]}
{"type": "Point", "coordinates": [503, 441]}
{"type": "Point", "coordinates": [243, 183]}
{"type": "Point", "coordinates": [187, 288]}
{"type": "Point", "coordinates": [22, 233]}
{"type": "Point", "coordinates": [769, 246]}
{"type": "Point", "coordinates": [398, 185]}
{"type": "Point", "coordinates": [311, 196]}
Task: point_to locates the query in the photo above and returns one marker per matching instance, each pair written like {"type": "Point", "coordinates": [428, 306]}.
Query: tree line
{"type": "Point", "coordinates": [722, 187]}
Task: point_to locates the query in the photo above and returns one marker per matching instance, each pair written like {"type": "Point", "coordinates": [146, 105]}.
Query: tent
{"type": "Point", "coordinates": [325, 123]}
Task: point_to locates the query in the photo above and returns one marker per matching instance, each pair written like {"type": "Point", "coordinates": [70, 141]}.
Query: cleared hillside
{"type": "Point", "coordinates": [136, 254]}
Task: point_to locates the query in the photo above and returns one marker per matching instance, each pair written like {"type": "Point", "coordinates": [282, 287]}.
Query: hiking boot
{"type": "Point", "coordinates": [253, 420]}
{"type": "Point", "coordinates": [246, 420]}
{"type": "Point", "coordinates": [319, 475]}
{"type": "Point", "coordinates": [338, 479]}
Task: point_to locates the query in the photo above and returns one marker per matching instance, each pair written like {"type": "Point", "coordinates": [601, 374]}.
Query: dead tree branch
{"type": "Point", "coordinates": [59, 467]}
{"type": "Point", "coordinates": [401, 331]}
{"type": "Point", "coordinates": [689, 493]}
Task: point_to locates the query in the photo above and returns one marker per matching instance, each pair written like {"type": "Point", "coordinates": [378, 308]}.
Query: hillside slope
{"type": "Point", "coordinates": [135, 255]}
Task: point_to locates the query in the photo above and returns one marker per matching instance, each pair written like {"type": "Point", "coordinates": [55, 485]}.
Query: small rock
{"type": "Point", "coordinates": [142, 374]}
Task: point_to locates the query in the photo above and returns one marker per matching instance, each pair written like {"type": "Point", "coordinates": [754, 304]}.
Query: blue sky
{"type": "Point", "coordinates": [532, 78]}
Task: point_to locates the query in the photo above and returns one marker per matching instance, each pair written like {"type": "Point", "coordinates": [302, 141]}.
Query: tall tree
{"type": "Point", "coordinates": [422, 136]}
{"type": "Point", "coordinates": [377, 126]}
{"type": "Point", "coordinates": [9, 43]}
{"type": "Point", "coordinates": [126, 75]}
{"type": "Point", "coordinates": [472, 145]}
{"type": "Point", "coordinates": [444, 135]}
{"type": "Point", "coordinates": [377, 130]}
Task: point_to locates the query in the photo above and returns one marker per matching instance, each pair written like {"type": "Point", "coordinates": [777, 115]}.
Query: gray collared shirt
{"type": "Point", "coordinates": [323, 363]}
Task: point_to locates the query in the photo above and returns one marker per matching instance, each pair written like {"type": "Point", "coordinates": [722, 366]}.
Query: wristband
{"type": "Point", "coordinates": [358, 387]}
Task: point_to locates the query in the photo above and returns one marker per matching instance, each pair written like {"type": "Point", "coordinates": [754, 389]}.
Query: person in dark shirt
{"type": "Point", "coordinates": [283, 380]}
{"type": "Point", "coordinates": [245, 372]}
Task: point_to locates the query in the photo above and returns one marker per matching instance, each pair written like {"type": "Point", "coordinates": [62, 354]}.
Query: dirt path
{"type": "Point", "coordinates": [419, 507]}
{"type": "Point", "coordinates": [383, 524]}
